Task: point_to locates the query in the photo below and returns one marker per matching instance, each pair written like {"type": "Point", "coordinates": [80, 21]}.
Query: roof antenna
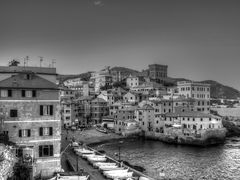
{"type": "Point", "coordinates": [53, 62]}
{"type": "Point", "coordinates": [26, 61]}
{"type": "Point", "coordinates": [41, 60]}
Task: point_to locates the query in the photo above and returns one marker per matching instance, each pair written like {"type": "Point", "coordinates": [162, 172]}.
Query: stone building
{"type": "Point", "coordinates": [158, 72]}
{"type": "Point", "coordinates": [30, 99]}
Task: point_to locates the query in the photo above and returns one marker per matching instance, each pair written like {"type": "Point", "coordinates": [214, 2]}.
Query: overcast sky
{"type": "Point", "coordinates": [197, 39]}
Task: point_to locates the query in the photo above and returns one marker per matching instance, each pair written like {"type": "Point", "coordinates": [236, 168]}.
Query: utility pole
{"type": "Point", "coordinates": [53, 62]}
{"type": "Point", "coordinates": [41, 60]}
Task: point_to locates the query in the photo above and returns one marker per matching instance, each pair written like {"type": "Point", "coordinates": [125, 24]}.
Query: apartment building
{"type": "Point", "coordinates": [193, 122]}
{"type": "Point", "coordinates": [99, 108]}
{"type": "Point", "coordinates": [198, 91]}
{"type": "Point", "coordinates": [107, 96]}
{"type": "Point", "coordinates": [82, 108]}
{"type": "Point", "coordinates": [101, 78]}
{"type": "Point", "coordinates": [145, 117]}
{"type": "Point", "coordinates": [132, 81]}
{"type": "Point", "coordinates": [29, 99]}
{"type": "Point", "coordinates": [121, 116]}
{"type": "Point", "coordinates": [67, 114]}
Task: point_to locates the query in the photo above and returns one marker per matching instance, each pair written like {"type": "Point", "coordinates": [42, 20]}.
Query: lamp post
{"type": "Point", "coordinates": [119, 150]}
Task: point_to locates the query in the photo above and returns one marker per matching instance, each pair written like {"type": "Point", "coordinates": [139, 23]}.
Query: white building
{"type": "Point", "coordinates": [132, 81]}
{"type": "Point", "coordinates": [101, 79]}
{"type": "Point", "coordinates": [194, 90]}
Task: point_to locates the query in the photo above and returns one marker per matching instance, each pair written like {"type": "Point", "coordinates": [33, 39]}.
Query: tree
{"type": "Point", "coordinates": [13, 63]}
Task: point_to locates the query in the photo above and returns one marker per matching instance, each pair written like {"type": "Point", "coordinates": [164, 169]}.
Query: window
{"type": "Point", "coordinates": [24, 132]}
{"type": "Point", "coordinates": [45, 150]}
{"type": "Point", "coordinates": [6, 93]}
{"type": "Point", "coordinates": [46, 110]}
{"type": "Point", "coordinates": [23, 93]}
{"type": "Point", "coordinates": [13, 113]}
{"type": "Point", "coordinates": [45, 131]}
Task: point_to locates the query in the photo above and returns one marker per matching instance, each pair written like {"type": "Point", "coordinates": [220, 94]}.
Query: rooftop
{"type": "Point", "coordinates": [20, 81]}
{"type": "Point", "coordinates": [189, 114]}
{"type": "Point", "coordinates": [38, 70]}
{"type": "Point", "coordinates": [99, 100]}
{"type": "Point", "coordinates": [146, 107]}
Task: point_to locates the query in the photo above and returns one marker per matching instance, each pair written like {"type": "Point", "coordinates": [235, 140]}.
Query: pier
{"type": "Point", "coordinates": [77, 163]}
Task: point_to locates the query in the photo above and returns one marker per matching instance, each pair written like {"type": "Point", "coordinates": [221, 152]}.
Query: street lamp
{"type": "Point", "coordinates": [119, 150]}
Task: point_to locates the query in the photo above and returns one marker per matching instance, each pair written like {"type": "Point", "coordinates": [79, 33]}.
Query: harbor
{"type": "Point", "coordinates": [79, 158]}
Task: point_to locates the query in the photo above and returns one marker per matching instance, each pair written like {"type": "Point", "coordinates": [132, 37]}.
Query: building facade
{"type": "Point", "coordinates": [158, 72]}
{"type": "Point", "coordinates": [30, 100]}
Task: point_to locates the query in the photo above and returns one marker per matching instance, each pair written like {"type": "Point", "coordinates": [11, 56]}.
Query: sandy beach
{"type": "Point", "coordinates": [89, 136]}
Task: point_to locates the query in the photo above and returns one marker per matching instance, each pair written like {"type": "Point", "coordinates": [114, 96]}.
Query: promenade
{"type": "Point", "coordinates": [89, 136]}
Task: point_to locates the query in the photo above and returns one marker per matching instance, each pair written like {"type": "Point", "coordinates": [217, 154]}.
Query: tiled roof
{"type": "Point", "coordinates": [146, 107]}
{"type": "Point", "coordinates": [99, 100]}
{"type": "Point", "coordinates": [188, 114]}
{"type": "Point", "coordinates": [35, 82]}
{"type": "Point", "coordinates": [82, 98]}
{"type": "Point", "coordinates": [38, 70]}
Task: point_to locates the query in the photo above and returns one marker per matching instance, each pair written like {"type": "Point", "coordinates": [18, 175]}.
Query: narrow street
{"type": "Point", "coordinates": [82, 164]}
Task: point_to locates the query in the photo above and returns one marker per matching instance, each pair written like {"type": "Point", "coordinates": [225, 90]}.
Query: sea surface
{"type": "Point", "coordinates": [221, 162]}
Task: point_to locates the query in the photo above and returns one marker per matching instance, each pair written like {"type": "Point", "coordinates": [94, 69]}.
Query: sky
{"type": "Point", "coordinates": [197, 39]}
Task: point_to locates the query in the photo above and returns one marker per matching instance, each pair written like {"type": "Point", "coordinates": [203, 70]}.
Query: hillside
{"type": "Point", "coordinates": [84, 76]}
{"type": "Point", "coordinates": [125, 70]}
{"type": "Point", "coordinates": [221, 91]}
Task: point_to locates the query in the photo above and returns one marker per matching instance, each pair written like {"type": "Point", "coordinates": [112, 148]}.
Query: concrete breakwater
{"type": "Point", "coordinates": [208, 138]}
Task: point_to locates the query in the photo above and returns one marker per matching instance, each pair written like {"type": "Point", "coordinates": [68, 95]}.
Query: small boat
{"type": "Point", "coordinates": [101, 130]}
{"type": "Point", "coordinates": [73, 177]}
{"type": "Point", "coordinates": [85, 156]}
{"type": "Point", "coordinates": [97, 159]}
{"type": "Point", "coordinates": [120, 175]}
{"type": "Point", "coordinates": [103, 164]}
{"type": "Point", "coordinates": [111, 168]}
{"type": "Point", "coordinates": [115, 172]}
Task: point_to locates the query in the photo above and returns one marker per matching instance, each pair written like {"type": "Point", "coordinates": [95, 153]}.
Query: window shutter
{"type": "Point", "coordinates": [40, 151]}
{"type": "Point", "coordinates": [20, 133]}
{"type": "Point", "coordinates": [29, 132]}
{"type": "Point", "coordinates": [40, 131]}
{"type": "Point", "coordinates": [9, 93]}
{"type": "Point", "coordinates": [41, 110]}
{"type": "Point", "coordinates": [51, 150]}
{"type": "Point", "coordinates": [51, 110]}
{"type": "Point", "coordinates": [50, 131]}
{"type": "Point", "coordinates": [23, 93]}
{"type": "Point", "coordinates": [34, 94]}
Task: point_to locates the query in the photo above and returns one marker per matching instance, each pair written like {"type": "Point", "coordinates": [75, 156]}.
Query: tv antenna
{"type": "Point", "coordinates": [41, 60]}
{"type": "Point", "coordinates": [53, 62]}
{"type": "Point", "coordinates": [25, 61]}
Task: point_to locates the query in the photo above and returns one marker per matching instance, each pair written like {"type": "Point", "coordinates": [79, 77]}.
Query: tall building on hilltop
{"type": "Point", "coordinates": [157, 71]}
{"type": "Point", "coordinates": [29, 97]}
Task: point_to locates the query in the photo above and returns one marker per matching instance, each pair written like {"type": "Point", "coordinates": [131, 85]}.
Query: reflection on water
{"type": "Point", "coordinates": [182, 162]}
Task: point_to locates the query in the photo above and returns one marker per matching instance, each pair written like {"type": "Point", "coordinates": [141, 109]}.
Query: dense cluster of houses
{"type": "Point", "coordinates": [144, 105]}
